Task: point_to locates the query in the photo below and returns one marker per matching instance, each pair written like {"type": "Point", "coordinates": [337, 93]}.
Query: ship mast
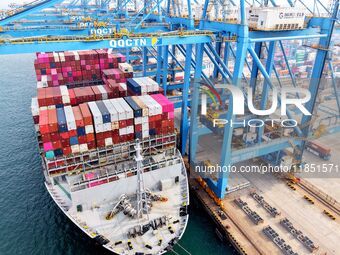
{"type": "Point", "coordinates": [142, 203]}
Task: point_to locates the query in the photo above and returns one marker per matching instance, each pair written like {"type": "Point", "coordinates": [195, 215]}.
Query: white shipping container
{"type": "Point", "coordinates": [138, 120]}
{"type": "Point", "coordinates": [35, 106]}
{"type": "Point", "coordinates": [75, 148]}
{"type": "Point", "coordinates": [66, 99]}
{"type": "Point", "coordinates": [122, 131]}
{"type": "Point", "coordinates": [76, 55]}
{"type": "Point", "coordinates": [112, 110]}
{"type": "Point", "coordinates": [89, 129]}
{"type": "Point", "coordinates": [145, 126]}
{"type": "Point", "coordinates": [40, 85]}
{"type": "Point", "coordinates": [145, 134]}
{"type": "Point", "coordinates": [119, 109]}
{"type": "Point", "coordinates": [83, 148]}
{"type": "Point", "coordinates": [51, 107]}
{"type": "Point", "coordinates": [97, 116]}
{"type": "Point", "coordinates": [56, 57]}
{"type": "Point", "coordinates": [103, 92]}
{"type": "Point", "coordinates": [107, 127]}
{"type": "Point", "coordinates": [36, 127]}
{"type": "Point", "coordinates": [108, 141]}
{"type": "Point", "coordinates": [99, 128]}
{"type": "Point", "coordinates": [126, 107]}
{"type": "Point", "coordinates": [71, 122]}
{"type": "Point", "coordinates": [125, 67]}
{"type": "Point", "coordinates": [43, 108]}
{"type": "Point", "coordinates": [129, 130]}
{"type": "Point", "coordinates": [275, 18]}
{"type": "Point", "coordinates": [145, 119]}
{"type": "Point", "coordinates": [62, 57]}
{"type": "Point", "coordinates": [64, 90]}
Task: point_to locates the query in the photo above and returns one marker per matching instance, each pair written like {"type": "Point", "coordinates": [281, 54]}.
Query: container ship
{"type": "Point", "coordinates": [108, 147]}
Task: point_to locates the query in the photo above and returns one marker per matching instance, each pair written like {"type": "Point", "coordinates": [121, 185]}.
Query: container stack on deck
{"type": "Point", "coordinates": [78, 67]}
{"type": "Point", "coordinates": [73, 120]}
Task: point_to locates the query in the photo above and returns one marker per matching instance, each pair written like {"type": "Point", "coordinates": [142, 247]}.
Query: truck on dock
{"type": "Point", "coordinates": [319, 150]}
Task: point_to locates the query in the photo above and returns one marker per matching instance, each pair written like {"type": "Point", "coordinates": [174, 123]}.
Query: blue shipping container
{"type": "Point", "coordinates": [62, 126]}
{"type": "Point", "coordinates": [73, 140]}
{"type": "Point", "coordinates": [137, 111]}
{"type": "Point", "coordinates": [104, 111]}
{"type": "Point", "coordinates": [81, 131]}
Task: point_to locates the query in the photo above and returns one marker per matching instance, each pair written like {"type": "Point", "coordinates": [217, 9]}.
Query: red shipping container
{"type": "Point", "coordinates": [65, 142]}
{"type": "Point", "coordinates": [52, 120]}
{"type": "Point", "coordinates": [115, 139]}
{"type": "Point", "coordinates": [122, 123]}
{"type": "Point", "coordinates": [91, 145]}
{"type": "Point", "coordinates": [109, 91]}
{"type": "Point", "coordinates": [67, 151]}
{"type": "Point", "coordinates": [115, 133]}
{"type": "Point", "coordinates": [43, 122]}
{"type": "Point", "coordinates": [100, 143]}
{"type": "Point", "coordinates": [54, 136]}
{"type": "Point", "coordinates": [57, 98]}
{"type": "Point", "coordinates": [96, 91]}
{"type": "Point", "coordinates": [72, 133]}
{"type": "Point", "coordinates": [87, 116]}
{"type": "Point", "coordinates": [45, 138]}
{"type": "Point", "coordinates": [90, 137]}
{"type": "Point", "coordinates": [107, 134]}
{"type": "Point", "coordinates": [73, 99]}
{"type": "Point", "coordinates": [90, 94]}
{"type": "Point", "coordinates": [81, 139]}
{"type": "Point", "coordinates": [64, 135]}
{"type": "Point", "coordinates": [49, 96]}
{"type": "Point", "coordinates": [42, 97]}
{"type": "Point", "coordinates": [99, 136]}
{"type": "Point", "coordinates": [56, 145]}
{"type": "Point", "coordinates": [129, 122]}
{"type": "Point", "coordinates": [78, 116]}
{"type": "Point", "coordinates": [152, 125]}
{"type": "Point", "coordinates": [138, 127]}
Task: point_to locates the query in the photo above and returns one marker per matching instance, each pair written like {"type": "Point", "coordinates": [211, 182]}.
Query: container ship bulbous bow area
{"type": "Point", "coordinates": [111, 208]}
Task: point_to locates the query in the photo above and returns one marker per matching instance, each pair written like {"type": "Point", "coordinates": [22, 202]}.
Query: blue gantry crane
{"type": "Point", "coordinates": [171, 33]}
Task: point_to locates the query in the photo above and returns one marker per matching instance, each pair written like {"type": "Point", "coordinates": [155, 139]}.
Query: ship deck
{"type": "Point", "coordinates": [96, 204]}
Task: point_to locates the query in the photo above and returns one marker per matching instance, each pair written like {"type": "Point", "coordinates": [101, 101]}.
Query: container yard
{"type": "Point", "coordinates": [175, 127]}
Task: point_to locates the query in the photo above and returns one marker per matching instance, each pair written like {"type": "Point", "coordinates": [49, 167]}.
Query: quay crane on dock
{"type": "Point", "coordinates": [167, 30]}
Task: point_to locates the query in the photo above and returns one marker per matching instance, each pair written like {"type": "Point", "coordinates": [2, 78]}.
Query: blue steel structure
{"type": "Point", "coordinates": [163, 30]}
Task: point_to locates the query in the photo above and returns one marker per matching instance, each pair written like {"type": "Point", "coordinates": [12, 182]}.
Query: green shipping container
{"type": "Point", "coordinates": [50, 154]}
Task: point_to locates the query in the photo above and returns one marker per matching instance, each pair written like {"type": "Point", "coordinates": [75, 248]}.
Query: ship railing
{"type": "Point", "coordinates": [81, 162]}
{"type": "Point", "coordinates": [110, 175]}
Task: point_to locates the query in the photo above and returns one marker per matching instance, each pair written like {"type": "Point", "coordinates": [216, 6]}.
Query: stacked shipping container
{"type": "Point", "coordinates": [78, 67]}
{"type": "Point", "coordinates": [97, 124]}
{"type": "Point", "coordinates": [142, 86]}
{"type": "Point", "coordinates": [61, 95]}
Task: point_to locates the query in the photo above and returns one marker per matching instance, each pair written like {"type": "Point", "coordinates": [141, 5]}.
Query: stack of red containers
{"type": "Point", "coordinates": [70, 66]}
{"type": "Point", "coordinates": [48, 69]}
{"type": "Point", "coordinates": [88, 123]}
{"type": "Point", "coordinates": [61, 96]}
{"type": "Point", "coordinates": [118, 89]}
{"type": "Point", "coordinates": [90, 67]}
{"type": "Point", "coordinates": [75, 67]}
{"type": "Point", "coordinates": [167, 124]}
